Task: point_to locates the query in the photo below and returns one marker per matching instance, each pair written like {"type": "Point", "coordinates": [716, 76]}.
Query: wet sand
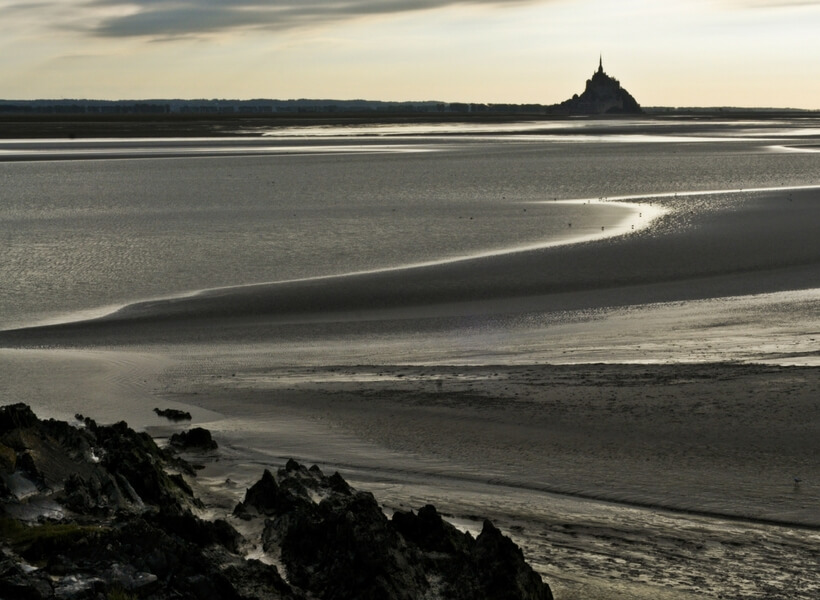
{"type": "Point", "coordinates": [620, 481]}
{"type": "Point", "coordinates": [580, 463]}
{"type": "Point", "coordinates": [713, 439]}
{"type": "Point", "coordinates": [705, 247]}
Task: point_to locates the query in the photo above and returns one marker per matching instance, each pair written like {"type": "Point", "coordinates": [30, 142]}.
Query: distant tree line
{"type": "Point", "coordinates": [251, 107]}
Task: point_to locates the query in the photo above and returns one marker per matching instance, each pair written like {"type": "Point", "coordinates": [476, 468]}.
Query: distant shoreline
{"type": "Point", "coordinates": [72, 126]}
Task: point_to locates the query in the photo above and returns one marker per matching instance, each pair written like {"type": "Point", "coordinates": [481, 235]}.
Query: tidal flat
{"type": "Point", "coordinates": [632, 398]}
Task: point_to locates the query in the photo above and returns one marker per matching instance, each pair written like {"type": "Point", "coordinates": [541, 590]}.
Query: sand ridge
{"type": "Point", "coordinates": [704, 247]}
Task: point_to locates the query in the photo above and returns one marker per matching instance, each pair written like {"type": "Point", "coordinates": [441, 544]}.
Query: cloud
{"type": "Point", "coordinates": [775, 3]}
{"type": "Point", "coordinates": [173, 18]}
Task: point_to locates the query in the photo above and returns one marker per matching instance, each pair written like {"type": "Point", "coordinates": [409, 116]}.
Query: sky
{"type": "Point", "coordinates": [763, 53]}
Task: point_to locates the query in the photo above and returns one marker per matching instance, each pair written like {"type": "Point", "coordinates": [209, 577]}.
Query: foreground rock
{"type": "Point", "coordinates": [90, 511]}
{"type": "Point", "coordinates": [90, 470]}
{"type": "Point", "coordinates": [336, 542]}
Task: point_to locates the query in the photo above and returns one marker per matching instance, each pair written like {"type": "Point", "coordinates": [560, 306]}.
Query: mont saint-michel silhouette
{"type": "Point", "coordinates": [603, 95]}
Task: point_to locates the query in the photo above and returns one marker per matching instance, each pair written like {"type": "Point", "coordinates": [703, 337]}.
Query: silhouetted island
{"type": "Point", "coordinates": [603, 95]}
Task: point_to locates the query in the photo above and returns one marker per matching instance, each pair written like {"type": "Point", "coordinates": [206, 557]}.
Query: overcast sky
{"type": "Point", "coordinates": [665, 52]}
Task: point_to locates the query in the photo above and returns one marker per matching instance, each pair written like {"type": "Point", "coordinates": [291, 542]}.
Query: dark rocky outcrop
{"type": "Point", "coordinates": [172, 414]}
{"type": "Point", "coordinates": [16, 416]}
{"type": "Point", "coordinates": [269, 498]}
{"type": "Point", "coordinates": [89, 469]}
{"type": "Point", "coordinates": [345, 547]}
{"type": "Point", "coordinates": [194, 439]}
{"type": "Point", "coordinates": [336, 542]}
{"type": "Point", "coordinates": [137, 553]}
{"type": "Point", "coordinates": [16, 582]}
{"type": "Point", "coordinates": [103, 511]}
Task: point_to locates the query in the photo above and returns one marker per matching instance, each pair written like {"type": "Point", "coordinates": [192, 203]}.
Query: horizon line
{"type": "Point", "coordinates": [319, 100]}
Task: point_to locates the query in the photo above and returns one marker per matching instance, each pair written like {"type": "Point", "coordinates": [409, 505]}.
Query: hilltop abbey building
{"type": "Point", "coordinates": [603, 95]}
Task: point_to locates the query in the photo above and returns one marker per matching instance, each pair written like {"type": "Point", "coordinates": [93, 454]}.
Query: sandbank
{"type": "Point", "coordinates": [705, 247]}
